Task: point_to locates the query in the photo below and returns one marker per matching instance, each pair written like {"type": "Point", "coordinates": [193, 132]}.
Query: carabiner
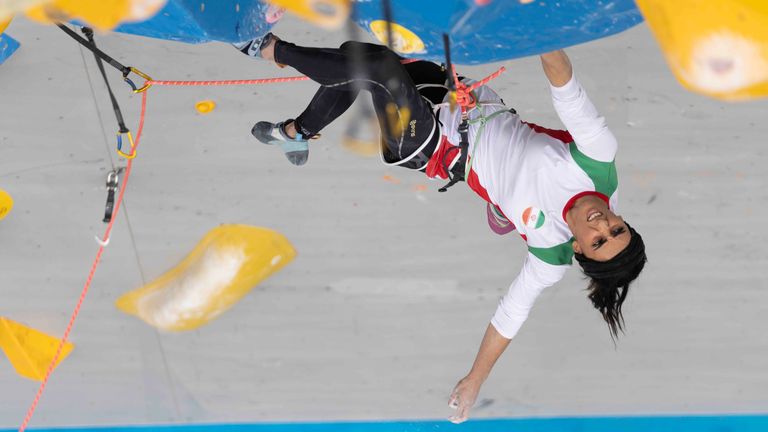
{"type": "Point", "coordinates": [130, 155]}
{"type": "Point", "coordinates": [113, 183]}
{"type": "Point", "coordinates": [147, 79]}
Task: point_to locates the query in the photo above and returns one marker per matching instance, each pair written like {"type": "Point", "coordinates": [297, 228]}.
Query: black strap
{"type": "Point", "coordinates": [457, 172]}
{"type": "Point", "coordinates": [463, 143]}
{"type": "Point", "coordinates": [448, 65]}
{"type": "Point", "coordinates": [115, 107]}
{"type": "Point", "coordinates": [113, 178]}
{"type": "Point", "coordinates": [97, 52]}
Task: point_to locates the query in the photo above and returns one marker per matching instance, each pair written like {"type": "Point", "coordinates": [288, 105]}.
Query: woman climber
{"type": "Point", "coordinates": [556, 188]}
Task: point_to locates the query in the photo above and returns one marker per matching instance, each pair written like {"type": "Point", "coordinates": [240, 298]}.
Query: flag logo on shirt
{"type": "Point", "coordinates": [533, 217]}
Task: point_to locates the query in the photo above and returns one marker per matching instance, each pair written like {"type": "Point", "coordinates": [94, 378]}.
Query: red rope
{"type": "Point", "coordinates": [487, 79]}
{"type": "Point", "coordinates": [244, 82]}
{"type": "Point", "coordinates": [229, 82]}
{"type": "Point", "coordinates": [464, 92]}
{"type": "Point", "coordinates": [95, 264]}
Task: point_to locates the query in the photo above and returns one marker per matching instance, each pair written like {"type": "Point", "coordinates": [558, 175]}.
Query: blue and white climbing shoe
{"type": "Point", "coordinates": [253, 47]}
{"type": "Point", "coordinates": [295, 149]}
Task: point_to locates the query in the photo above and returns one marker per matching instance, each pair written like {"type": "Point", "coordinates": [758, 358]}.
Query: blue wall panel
{"type": "Point", "coordinates": [196, 21]}
{"type": "Point", "coordinates": [505, 29]}
{"type": "Point", "coordinates": [7, 47]}
{"type": "Point", "coordinates": [501, 30]}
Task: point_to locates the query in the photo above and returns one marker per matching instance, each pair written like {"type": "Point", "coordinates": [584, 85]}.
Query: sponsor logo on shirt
{"type": "Point", "coordinates": [533, 217]}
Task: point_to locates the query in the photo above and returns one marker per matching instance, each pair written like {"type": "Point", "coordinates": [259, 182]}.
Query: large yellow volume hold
{"type": "Point", "coordinates": [714, 47]}
{"type": "Point", "coordinates": [224, 266]}
{"type": "Point", "coordinates": [30, 351]}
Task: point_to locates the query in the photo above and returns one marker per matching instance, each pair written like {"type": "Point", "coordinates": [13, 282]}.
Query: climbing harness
{"type": "Point", "coordinates": [483, 120]}
{"type": "Point", "coordinates": [463, 95]}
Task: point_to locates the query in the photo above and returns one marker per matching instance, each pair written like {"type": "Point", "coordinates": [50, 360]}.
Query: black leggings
{"type": "Point", "coordinates": [343, 72]}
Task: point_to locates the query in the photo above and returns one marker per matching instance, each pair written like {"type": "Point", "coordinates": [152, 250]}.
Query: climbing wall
{"type": "Point", "coordinates": [498, 30]}
{"type": "Point", "coordinates": [7, 44]}
{"type": "Point", "coordinates": [196, 21]}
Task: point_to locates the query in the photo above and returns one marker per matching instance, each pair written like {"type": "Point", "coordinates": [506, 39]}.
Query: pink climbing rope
{"type": "Point", "coordinates": [242, 82]}
{"type": "Point", "coordinates": [464, 92]}
{"type": "Point", "coordinates": [88, 281]}
{"type": "Point", "coordinates": [229, 82]}
{"type": "Point", "coordinates": [245, 82]}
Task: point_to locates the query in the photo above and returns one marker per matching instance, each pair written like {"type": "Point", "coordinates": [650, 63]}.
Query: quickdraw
{"type": "Point", "coordinates": [132, 153]}
{"type": "Point", "coordinates": [101, 57]}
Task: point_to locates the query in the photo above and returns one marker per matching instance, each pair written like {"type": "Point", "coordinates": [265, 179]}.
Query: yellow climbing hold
{"type": "Point", "coordinates": [404, 41]}
{"type": "Point", "coordinates": [4, 25]}
{"type": "Point", "coordinates": [224, 266]}
{"type": "Point", "coordinates": [30, 351]}
{"type": "Point", "coordinates": [329, 14]}
{"type": "Point", "coordinates": [100, 14]}
{"type": "Point", "coordinates": [6, 203]}
{"type": "Point", "coordinates": [206, 106]}
{"type": "Point", "coordinates": [715, 47]}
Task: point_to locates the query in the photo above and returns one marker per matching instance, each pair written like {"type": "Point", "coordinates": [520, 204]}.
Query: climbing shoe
{"type": "Point", "coordinates": [253, 47]}
{"type": "Point", "coordinates": [295, 149]}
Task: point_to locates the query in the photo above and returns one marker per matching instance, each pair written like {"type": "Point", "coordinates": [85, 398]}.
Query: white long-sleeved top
{"type": "Point", "coordinates": [533, 175]}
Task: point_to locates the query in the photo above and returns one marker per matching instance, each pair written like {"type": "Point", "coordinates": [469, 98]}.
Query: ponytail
{"type": "Point", "coordinates": [609, 280]}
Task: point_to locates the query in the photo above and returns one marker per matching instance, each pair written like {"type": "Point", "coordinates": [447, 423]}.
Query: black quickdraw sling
{"type": "Point", "coordinates": [457, 172]}
{"type": "Point", "coordinates": [113, 178]}
{"type": "Point", "coordinates": [100, 55]}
